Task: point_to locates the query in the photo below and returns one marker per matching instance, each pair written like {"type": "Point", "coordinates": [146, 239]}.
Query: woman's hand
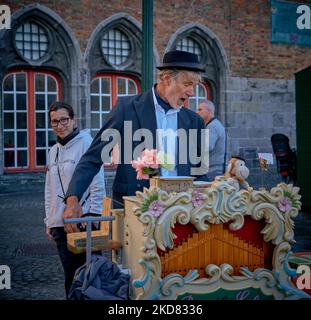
{"type": "Point", "coordinates": [48, 234]}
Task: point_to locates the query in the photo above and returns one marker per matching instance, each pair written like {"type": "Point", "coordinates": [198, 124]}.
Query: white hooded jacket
{"type": "Point", "coordinates": [64, 159]}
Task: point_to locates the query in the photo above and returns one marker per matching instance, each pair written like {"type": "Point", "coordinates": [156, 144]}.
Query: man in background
{"type": "Point", "coordinates": [217, 139]}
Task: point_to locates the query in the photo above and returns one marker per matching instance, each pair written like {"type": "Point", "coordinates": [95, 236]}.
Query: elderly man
{"type": "Point", "coordinates": [161, 107]}
{"type": "Point", "coordinates": [217, 139]}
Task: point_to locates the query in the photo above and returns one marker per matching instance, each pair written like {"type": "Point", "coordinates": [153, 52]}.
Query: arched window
{"type": "Point", "coordinates": [197, 38]}
{"type": "Point", "coordinates": [116, 46]}
{"type": "Point", "coordinates": [202, 92]}
{"type": "Point", "coordinates": [114, 58]}
{"type": "Point", "coordinates": [190, 45]}
{"type": "Point", "coordinates": [31, 41]}
{"type": "Point", "coordinates": [41, 61]}
{"type": "Point", "coordinates": [105, 90]}
{"type": "Point", "coordinates": [27, 136]}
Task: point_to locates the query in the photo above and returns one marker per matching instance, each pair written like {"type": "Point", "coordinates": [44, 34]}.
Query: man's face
{"type": "Point", "coordinates": [204, 112]}
{"type": "Point", "coordinates": [179, 89]}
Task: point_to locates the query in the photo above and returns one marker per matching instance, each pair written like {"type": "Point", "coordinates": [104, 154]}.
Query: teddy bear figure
{"type": "Point", "coordinates": [237, 173]}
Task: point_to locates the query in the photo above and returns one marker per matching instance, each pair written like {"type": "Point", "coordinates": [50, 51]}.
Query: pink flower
{"type": "Point", "coordinates": [284, 204]}
{"type": "Point", "coordinates": [197, 198]}
{"type": "Point", "coordinates": [139, 165]}
{"type": "Point", "coordinates": [148, 164]}
{"type": "Point", "coordinates": [156, 208]}
{"type": "Point", "coordinates": [149, 158]}
{"type": "Point", "coordinates": [141, 175]}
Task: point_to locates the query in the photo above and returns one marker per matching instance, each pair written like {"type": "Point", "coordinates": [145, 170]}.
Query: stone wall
{"type": "Point", "coordinates": [256, 109]}
{"type": "Point", "coordinates": [243, 27]}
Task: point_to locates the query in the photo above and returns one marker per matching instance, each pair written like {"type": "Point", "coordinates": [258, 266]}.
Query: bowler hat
{"type": "Point", "coordinates": [181, 60]}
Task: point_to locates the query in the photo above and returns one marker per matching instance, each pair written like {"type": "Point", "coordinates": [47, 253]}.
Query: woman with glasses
{"type": "Point", "coordinates": [63, 157]}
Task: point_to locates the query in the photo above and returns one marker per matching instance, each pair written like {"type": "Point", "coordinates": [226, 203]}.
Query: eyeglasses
{"type": "Point", "coordinates": [63, 121]}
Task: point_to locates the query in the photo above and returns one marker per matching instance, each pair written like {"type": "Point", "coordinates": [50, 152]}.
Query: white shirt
{"type": "Point", "coordinates": [167, 126]}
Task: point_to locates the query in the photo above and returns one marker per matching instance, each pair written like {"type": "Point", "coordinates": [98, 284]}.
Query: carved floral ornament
{"type": "Point", "coordinates": [159, 211]}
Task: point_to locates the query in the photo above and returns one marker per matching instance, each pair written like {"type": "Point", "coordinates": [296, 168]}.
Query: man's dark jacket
{"type": "Point", "coordinates": [140, 110]}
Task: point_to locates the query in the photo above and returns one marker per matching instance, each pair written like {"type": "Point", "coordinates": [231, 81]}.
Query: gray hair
{"type": "Point", "coordinates": [174, 74]}
{"type": "Point", "coordinates": [209, 105]}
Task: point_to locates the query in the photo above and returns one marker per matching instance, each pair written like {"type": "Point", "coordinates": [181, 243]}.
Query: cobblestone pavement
{"type": "Point", "coordinates": [36, 271]}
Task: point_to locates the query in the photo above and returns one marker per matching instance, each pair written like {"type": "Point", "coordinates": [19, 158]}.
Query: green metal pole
{"type": "Point", "coordinates": [147, 50]}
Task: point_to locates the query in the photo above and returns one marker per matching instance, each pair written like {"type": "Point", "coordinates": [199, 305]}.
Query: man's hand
{"type": "Point", "coordinates": [72, 210]}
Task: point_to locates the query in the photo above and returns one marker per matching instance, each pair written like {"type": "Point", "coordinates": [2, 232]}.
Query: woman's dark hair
{"type": "Point", "coordinates": [61, 105]}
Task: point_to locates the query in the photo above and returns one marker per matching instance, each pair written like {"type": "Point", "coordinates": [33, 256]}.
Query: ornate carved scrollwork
{"type": "Point", "coordinates": [159, 211]}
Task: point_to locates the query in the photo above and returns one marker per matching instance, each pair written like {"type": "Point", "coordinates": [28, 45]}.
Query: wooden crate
{"type": "Point", "coordinates": [76, 242]}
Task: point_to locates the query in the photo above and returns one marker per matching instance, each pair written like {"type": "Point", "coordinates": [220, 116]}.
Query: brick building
{"type": "Point", "coordinates": [90, 52]}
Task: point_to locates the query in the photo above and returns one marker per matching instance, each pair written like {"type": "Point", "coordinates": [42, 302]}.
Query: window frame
{"type": "Point", "coordinates": [209, 95]}
{"type": "Point", "coordinates": [51, 43]}
{"type": "Point", "coordinates": [127, 61]}
{"type": "Point", "coordinates": [31, 118]}
{"type": "Point", "coordinates": [114, 96]}
{"type": "Point", "coordinates": [196, 43]}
